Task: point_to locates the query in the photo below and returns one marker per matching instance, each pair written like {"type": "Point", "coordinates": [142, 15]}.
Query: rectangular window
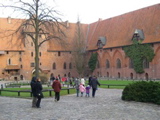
{"type": "Point", "coordinates": [59, 53]}
{"type": "Point", "coordinates": [20, 59]}
{"type": "Point", "coordinates": [32, 64]}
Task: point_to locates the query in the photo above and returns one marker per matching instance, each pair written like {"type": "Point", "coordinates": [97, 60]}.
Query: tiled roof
{"type": "Point", "coordinates": [67, 43]}
{"type": "Point", "coordinates": [119, 30]}
{"type": "Point", "coordinates": [9, 42]}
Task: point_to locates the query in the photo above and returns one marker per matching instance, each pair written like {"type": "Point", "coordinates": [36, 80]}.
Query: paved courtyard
{"type": "Point", "coordinates": [107, 105]}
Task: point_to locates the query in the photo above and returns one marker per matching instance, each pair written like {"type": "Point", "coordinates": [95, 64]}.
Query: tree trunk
{"type": "Point", "coordinates": [36, 42]}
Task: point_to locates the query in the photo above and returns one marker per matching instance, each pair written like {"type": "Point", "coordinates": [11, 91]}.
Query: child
{"type": "Point", "coordinates": [82, 89]}
{"type": "Point", "coordinates": [87, 90]}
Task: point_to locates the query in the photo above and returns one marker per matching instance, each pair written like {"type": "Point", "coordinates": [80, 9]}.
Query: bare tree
{"type": "Point", "coordinates": [79, 49]}
{"type": "Point", "coordinates": [41, 20]}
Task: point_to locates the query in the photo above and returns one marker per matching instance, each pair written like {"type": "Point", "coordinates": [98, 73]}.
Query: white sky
{"type": "Point", "coordinates": [91, 10]}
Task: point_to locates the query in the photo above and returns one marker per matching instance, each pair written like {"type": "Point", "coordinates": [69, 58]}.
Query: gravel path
{"type": "Point", "coordinates": [107, 105]}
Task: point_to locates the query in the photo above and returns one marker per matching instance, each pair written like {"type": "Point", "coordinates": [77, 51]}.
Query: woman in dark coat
{"type": "Point", "coordinates": [93, 83]}
{"type": "Point", "coordinates": [57, 88]}
{"type": "Point", "coordinates": [39, 93]}
{"type": "Point", "coordinates": [33, 90]}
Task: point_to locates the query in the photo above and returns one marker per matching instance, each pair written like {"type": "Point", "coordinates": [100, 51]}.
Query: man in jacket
{"type": "Point", "coordinates": [93, 83]}
{"type": "Point", "coordinates": [57, 88]}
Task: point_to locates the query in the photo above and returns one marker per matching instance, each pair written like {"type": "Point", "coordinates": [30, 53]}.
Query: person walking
{"type": "Point", "coordinates": [39, 93]}
{"type": "Point", "coordinates": [93, 83]}
{"type": "Point", "coordinates": [82, 81]}
{"type": "Point", "coordinates": [52, 78]}
{"type": "Point", "coordinates": [76, 84]}
{"type": "Point", "coordinates": [82, 89]}
{"type": "Point", "coordinates": [57, 88]}
{"type": "Point", "coordinates": [87, 90]}
{"type": "Point", "coordinates": [33, 90]}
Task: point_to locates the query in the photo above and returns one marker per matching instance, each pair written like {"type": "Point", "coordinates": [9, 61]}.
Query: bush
{"type": "Point", "coordinates": [142, 92]}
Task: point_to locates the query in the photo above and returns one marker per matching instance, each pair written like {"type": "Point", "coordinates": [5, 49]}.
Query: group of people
{"type": "Point", "coordinates": [81, 88]}
{"type": "Point", "coordinates": [36, 88]}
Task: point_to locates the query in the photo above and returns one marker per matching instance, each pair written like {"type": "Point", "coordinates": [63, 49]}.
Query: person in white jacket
{"type": "Point", "coordinates": [82, 81]}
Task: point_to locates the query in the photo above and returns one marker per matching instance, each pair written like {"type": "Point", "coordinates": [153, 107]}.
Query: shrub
{"type": "Point", "coordinates": [142, 92]}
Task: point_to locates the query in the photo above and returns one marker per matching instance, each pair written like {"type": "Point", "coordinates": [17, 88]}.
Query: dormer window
{"type": "Point", "coordinates": [101, 42]}
{"type": "Point", "coordinates": [138, 35]}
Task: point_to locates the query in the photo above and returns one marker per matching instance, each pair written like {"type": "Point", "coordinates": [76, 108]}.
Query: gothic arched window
{"type": "Point", "coordinates": [54, 66]}
{"type": "Point", "coordinates": [118, 63]}
{"type": "Point", "coordinates": [107, 64]}
{"type": "Point", "coordinates": [64, 65]}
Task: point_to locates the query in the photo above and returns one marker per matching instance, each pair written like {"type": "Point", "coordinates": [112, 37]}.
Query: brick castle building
{"type": "Point", "coordinates": [106, 37]}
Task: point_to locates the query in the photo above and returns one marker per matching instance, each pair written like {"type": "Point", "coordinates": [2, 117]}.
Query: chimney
{"type": "Point", "coordinates": [67, 23]}
{"type": "Point", "coordinates": [100, 19]}
{"type": "Point", "coordinates": [9, 20]}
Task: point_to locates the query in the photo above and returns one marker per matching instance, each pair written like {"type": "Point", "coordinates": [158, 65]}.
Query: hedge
{"type": "Point", "coordinates": [142, 92]}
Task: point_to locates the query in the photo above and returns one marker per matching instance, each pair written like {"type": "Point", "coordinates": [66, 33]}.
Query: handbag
{"type": "Point", "coordinates": [40, 95]}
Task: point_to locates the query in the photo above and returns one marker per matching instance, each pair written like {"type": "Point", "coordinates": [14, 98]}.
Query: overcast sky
{"type": "Point", "coordinates": [91, 10]}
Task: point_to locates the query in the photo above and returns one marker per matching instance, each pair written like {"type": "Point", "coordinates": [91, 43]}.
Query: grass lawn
{"type": "Point", "coordinates": [27, 94]}
{"type": "Point", "coordinates": [115, 82]}
{"type": "Point", "coordinates": [65, 92]}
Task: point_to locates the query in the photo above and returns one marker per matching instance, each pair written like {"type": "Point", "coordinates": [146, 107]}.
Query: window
{"type": "Point", "coordinates": [9, 61]}
{"type": "Point", "coordinates": [107, 74]}
{"type": "Point", "coordinates": [20, 59]}
{"type": "Point", "coordinates": [31, 54]}
{"type": "Point", "coordinates": [20, 53]}
{"type": "Point", "coordinates": [145, 63]}
{"type": "Point", "coordinates": [64, 66]}
{"type": "Point", "coordinates": [107, 64]}
{"type": "Point", "coordinates": [59, 53]}
{"type": "Point", "coordinates": [70, 65]}
{"type": "Point", "coordinates": [130, 63]}
{"type": "Point", "coordinates": [32, 64]}
{"type": "Point", "coordinates": [99, 44]}
{"type": "Point", "coordinates": [54, 66]}
{"type": "Point", "coordinates": [138, 35]}
{"type": "Point", "coordinates": [40, 54]}
{"type": "Point", "coordinates": [118, 63]}
{"type": "Point", "coordinates": [21, 66]}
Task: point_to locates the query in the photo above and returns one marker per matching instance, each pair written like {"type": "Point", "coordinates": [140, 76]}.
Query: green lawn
{"type": "Point", "coordinates": [27, 94]}
{"type": "Point", "coordinates": [65, 92]}
{"type": "Point", "coordinates": [114, 82]}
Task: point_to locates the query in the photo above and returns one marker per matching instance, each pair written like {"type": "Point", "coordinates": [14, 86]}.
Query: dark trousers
{"type": "Point", "coordinates": [34, 101]}
{"type": "Point", "coordinates": [38, 102]}
{"type": "Point", "coordinates": [93, 92]}
{"type": "Point", "coordinates": [77, 91]}
{"type": "Point", "coordinates": [57, 96]}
